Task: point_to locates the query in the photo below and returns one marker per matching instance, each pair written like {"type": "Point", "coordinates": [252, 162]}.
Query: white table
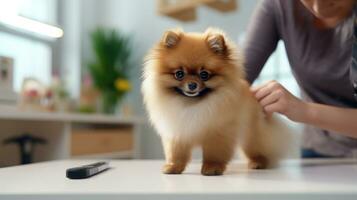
{"type": "Point", "coordinates": [139, 179]}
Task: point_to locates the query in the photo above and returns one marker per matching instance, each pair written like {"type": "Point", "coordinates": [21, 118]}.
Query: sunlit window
{"type": "Point", "coordinates": [40, 10]}
{"type": "Point", "coordinates": [278, 68]}
{"type": "Point", "coordinates": [25, 33]}
{"type": "Point", "coordinates": [31, 58]}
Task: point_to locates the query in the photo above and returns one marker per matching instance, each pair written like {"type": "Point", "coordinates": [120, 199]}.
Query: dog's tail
{"type": "Point", "coordinates": [281, 141]}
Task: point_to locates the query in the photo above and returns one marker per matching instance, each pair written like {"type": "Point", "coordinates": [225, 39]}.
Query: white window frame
{"type": "Point", "coordinates": [52, 43]}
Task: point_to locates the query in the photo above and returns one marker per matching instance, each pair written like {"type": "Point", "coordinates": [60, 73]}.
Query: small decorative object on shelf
{"type": "Point", "coordinates": [109, 71]}
{"type": "Point", "coordinates": [31, 95]}
{"type": "Point", "coordinates": [88, 96]}
{"type": "Point", "coordinates": [58, 95]}
{"type": "Point", "coordinates": [6, 80]}
{"type": "Point", "coordinates": [36, 96]}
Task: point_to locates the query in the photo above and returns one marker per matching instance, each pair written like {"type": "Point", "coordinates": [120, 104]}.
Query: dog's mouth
{"type": "Point", "coordinates": [200, 93]}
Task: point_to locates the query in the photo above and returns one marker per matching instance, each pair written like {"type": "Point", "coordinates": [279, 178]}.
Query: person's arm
{"type": "Point", "coordinates": [261, 38]}
{"type": "Point", "coordinates": [275, 98]}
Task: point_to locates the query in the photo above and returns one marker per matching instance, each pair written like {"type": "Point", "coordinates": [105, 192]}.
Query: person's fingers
{"type": "Point", "coordinates": [266, 90]}
{"type": "Point", "coordinates": [255, 89]}
{"type": "Point", "coordinates": [270, 99]}
{"type": "Point", "coordinates": [262, 92]}
{"type": "Point", "coordinates": [272, 108]}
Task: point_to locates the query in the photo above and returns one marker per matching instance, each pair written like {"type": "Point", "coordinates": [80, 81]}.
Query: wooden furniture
{"type": "Point", "coordinates": [185, 10]}
{"type": "Point", "coordinates": [71, 135]}
{"type": "Point", "coordinates": [101, 139]}
{"type": "Point", "coordinates": [327, 179]}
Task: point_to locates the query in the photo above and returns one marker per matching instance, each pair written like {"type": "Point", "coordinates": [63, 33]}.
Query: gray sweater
{"type": "Point", "coordinates": [320, 62]}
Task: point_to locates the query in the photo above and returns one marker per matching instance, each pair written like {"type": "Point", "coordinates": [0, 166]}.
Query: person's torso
{"type": "Point", "coordinates": [320, 61]}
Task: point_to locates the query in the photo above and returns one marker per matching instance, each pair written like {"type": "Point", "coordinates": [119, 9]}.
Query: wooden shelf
{"type": "Point", "coordinates": [16, 114]}
{"type": "Point", "coordinates": [221, 5]}
{"type": "Point", "coordinates": [105, 136]}
{"type": "Point", "coordinates": [185, 10]}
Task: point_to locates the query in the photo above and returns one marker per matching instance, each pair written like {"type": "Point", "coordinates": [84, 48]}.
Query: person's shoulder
{"type": "Point", "coordinates": [282, 9]}
{"type": "Point", "coordinates": [280, 2]}
{"type": "Point", "coordinates": [277, 6]}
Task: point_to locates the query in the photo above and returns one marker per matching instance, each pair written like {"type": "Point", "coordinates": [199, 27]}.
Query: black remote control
{"type": "Point", "coordinates": [86, 171]}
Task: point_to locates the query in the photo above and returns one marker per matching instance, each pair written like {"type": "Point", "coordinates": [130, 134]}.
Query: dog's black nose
{"type": "Point", "coordinates": [192, 86]}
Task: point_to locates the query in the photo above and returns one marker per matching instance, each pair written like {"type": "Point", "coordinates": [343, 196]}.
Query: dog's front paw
{"type": "Point", "coordinates": [173, 169]}
{"type": "Point", "coordinates": [258, 162]}
{"type": "Point", "coordinates": [213, 168]}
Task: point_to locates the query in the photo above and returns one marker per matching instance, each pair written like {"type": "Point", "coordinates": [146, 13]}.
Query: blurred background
{"type": "Point", "coordinates": [70, 72]}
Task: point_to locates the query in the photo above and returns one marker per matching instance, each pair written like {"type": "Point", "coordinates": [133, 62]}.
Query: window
{"type": "Point", "coordinates": [25, 36]}
{"type": "Point", "coordinates": [278, 68]}
{"type": "Point", "coordinates": [39, 10]}
{"type": "Point", "coordinates": [31, 58]}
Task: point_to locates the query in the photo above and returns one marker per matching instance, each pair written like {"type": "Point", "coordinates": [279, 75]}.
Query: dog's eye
{"type": "Point", "coordinates": [179, 74]}
{"type": "Point", "coordinates": [204, 75]}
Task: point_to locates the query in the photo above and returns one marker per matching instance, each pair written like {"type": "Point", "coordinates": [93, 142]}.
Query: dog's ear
{"type": "Point", "coordinates": [216, 41]}
{"type": "Point", "coordinates": [171, 38]}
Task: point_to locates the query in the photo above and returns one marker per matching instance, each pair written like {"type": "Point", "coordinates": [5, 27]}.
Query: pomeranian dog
{"type": "Point", "coordinates": [195, 92]}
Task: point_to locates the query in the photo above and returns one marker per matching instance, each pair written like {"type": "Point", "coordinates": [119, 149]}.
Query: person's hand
{"type": "Point", "coordinates": [273, 97]}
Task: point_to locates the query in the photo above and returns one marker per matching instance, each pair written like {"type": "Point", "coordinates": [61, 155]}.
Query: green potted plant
{"type": "Point", "coordinates": [110, 70]}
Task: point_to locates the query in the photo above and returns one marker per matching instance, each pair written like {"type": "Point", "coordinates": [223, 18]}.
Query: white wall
{"type": "Point", "coordinates": [69, 48]}
{"type": "Point", "coordinates": [139, 19]}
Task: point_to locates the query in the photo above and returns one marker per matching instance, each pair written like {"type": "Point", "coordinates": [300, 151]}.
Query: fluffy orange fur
{"type": "Point", "coordinates": [218, 114]}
